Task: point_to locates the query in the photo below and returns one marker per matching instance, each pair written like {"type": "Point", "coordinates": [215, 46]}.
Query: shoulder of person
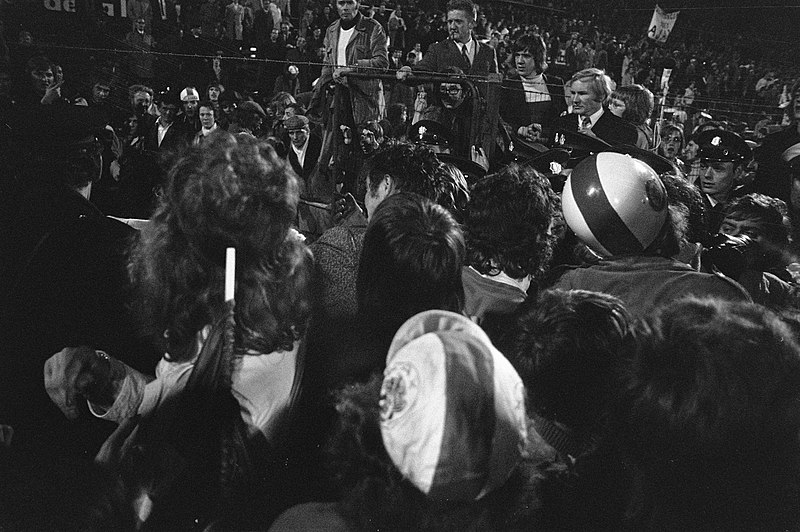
{"type": "Point", "coordinates": [553, 80]}
{"type": "Point", "coordinates": [732, 287]}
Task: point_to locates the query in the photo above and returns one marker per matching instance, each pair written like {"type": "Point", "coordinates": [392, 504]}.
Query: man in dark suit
{"type": "Point", "coordinates": [145, 170]}
{"type": "Point", "coordinates": [531, 101]}
{"type": "Point", "coordinates": [304, 147]}
{"type": "Point", "coordinates": [166, 133]}
{"type": "Point", "coordinates": [461, 50]}
{"type": "Point", "coordinates": [591, 89]}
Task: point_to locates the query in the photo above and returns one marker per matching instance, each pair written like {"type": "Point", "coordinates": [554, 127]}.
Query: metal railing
{"type": "Point", "coordinates": [483, 95]}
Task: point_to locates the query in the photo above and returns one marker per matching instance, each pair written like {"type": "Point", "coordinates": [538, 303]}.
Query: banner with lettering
{"type": "Point", "coordinates": [112, 8]}
{"type": "Point", "coordinates": [661, 24]}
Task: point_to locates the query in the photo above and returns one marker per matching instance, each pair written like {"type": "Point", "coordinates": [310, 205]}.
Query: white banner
{"type": "Point", "coordinates": [661, 24]}
{"type": "Point", "coordinates": [665, 78]}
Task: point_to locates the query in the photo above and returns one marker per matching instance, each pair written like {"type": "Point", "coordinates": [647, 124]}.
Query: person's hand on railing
{"type": "Point", "coordinates": [403, 73]}
{"type": "Point", "coordinates": [340, 74]}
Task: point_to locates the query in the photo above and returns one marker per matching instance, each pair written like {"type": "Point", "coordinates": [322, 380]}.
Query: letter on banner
{"type": "Point", "coordinates": [60, 5]}
{"type": "Point", "coordinates": [115, 8]}
{"type": "Point", "coordinates": [661, 24]}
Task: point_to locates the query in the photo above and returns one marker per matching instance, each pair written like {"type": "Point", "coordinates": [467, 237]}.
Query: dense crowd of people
{"type": "Point", "coordinates": [288, 266]}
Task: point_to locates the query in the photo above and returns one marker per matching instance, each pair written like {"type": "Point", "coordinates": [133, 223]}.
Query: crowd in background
{"type": "Point", "coordinates": [228, 302]}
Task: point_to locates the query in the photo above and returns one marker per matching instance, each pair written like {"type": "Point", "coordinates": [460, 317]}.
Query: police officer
{"type": "Point", "coordinates": [724, 157]}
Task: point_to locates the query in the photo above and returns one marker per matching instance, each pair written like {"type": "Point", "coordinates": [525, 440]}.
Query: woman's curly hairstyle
{"type": "Point", "coordinates": [234, 192]}
{"type": "Point", "coordinates": [508, 223]}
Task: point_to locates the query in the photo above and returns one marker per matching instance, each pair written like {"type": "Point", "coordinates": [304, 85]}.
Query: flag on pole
{"type": "Point", "coordinates": [661, 24]}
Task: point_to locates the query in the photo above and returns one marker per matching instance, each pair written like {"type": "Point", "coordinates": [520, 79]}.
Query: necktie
{"type": "Point", "coordinates": [586, 122]}
{"type": "Point", "coordinates": [465, 56]}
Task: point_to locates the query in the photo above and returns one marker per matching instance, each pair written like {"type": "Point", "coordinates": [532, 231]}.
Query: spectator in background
{"type": "Point", "coordinates": [671, 145]}
{"type": "Point", "coordinates": [140, 61]}
{"type": "Point", "coordinates": [417, 51]}
{"type": "Point", "coordinates": [635, 103]}
{"type": "Point", "coordinates": [213, 92]}
{"type": "Point", "coordinates": [288, 81]}
{"type": "Point", "coordinates": [208, 122]}
{"type": "Point", "coordinates": [397, 29]}
{"type": "Point", "coordinates": [247, 119]}
{"type": "Point", "coordinates": [234, 24]}
{"type": "Point", "coordinates": [188, 115]}
{"type": "Point", "coordinates": [140, 9]}
{"type": "Point", "coordinates": [275, 54]}
{"type": "Point", "coordinates": [264, 22]}
{"type": "Point", "coordinates": [196, 70]}
{"type": "Point", "coordinates": [304, 148]}
{"type": "Point", "coordinates": [40, 87]}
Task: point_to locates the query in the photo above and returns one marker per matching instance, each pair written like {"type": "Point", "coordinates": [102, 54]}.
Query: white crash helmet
{"type": "Point", "coordinates": [615, 204]}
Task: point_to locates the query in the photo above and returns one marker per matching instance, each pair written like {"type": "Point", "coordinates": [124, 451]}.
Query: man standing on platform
{"type": "Point", "coordinates": [461, 49]}
{"type": "Point", "coordinates": [352, 43]}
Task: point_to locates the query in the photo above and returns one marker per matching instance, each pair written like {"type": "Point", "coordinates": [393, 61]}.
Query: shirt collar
{"type": "Point", "coordinates": [538, 78]}
{"type": "Point", "coordinates": [596, 116]}
{"type": "Point", "coordinates": [301, 150]}
{"type": "Point", "coordinates": [502, 277]}
{"type": "Point", "coordinates": [593, 117]}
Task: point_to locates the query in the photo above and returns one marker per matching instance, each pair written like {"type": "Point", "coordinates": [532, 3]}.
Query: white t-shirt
{"type": "Point", "coordinates": [341, 51]}
{"type": "Point", "coordinates": [261, 383]}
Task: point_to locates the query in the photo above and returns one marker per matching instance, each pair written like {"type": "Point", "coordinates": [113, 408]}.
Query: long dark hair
{"type": "Point", "coordinates": [234, 192]}
{"type": "Point", "coordinates": [411, 261]}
